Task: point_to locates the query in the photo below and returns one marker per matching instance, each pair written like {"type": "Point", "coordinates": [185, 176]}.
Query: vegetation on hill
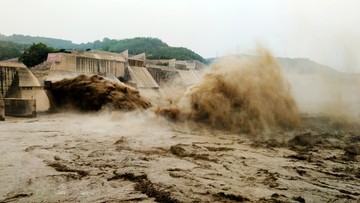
{"type": "Point", "coordinates": [153, 47]}
{"type": "Point", "coordinates": [9, 50]}
{"type": "Point", "coordinates": [36, 54]}
{"type": "Point", "coordinates": [52, 42]}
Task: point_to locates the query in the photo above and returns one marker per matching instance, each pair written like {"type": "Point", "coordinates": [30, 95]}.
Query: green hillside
{"type": "Point", "coordinates": [9, 50]}
{"type": "Point", "coordinates": [153, 47]}
{"type": "Point", "coordinates": [52, 42]}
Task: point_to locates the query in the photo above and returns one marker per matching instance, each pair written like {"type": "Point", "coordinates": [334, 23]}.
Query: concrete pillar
{"type": "Point", "coordinates": [33, 109]}
{"type": "Point", "coordinates": [2, 110]}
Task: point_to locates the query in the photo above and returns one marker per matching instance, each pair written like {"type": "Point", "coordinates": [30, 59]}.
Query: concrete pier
{"type": "Point", "coordinates": [2, 110]}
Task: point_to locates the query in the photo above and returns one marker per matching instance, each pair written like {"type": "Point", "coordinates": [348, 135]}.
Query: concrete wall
{"type": "Point", "coordinates": [99, 66]}
{"type": "Point", "coordinates": [162, 75]}
{"type": "Point", "coordinates": [62, 61]}
{"type": "Point", "coordinates": [20, 107]}
{"type": "Point", "coordinates": [137, 60]}
{"type": "Point", "coordinates": [138, 63]}
{"type": "Point", "coordinates": [157, 74]}
{"type": "Point", "coordinates": [87, 65]}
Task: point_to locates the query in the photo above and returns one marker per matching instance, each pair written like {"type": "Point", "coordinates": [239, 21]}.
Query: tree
{"type": "Point", "coordinates": [36, 54]}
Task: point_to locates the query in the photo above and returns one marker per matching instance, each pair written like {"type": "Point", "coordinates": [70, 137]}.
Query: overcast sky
{"type": "Point", "coordinates": [327, 31]}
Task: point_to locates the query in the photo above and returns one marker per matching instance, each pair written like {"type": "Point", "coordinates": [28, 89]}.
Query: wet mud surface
{"type": "Point", "coordinates": [139, 157]}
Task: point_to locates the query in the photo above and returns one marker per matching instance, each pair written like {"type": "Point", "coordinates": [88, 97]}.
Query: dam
{"type": "Point", "coordinates": [20, 84]}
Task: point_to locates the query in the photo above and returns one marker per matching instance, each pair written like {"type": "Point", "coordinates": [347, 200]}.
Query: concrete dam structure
{"type": "Point", "coordinates": [100, 63]}
{"type": "Point", "coordinates": [18, 84]}
{"type": "Point", "coordinates": [19, 88]}
{"type": "Point", "coordinates": [133, 70]}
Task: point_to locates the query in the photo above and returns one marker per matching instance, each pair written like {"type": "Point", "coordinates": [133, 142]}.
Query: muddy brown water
{"type": "Point", "coordinates": [266, 152]}
{"type": "Point", "coordinates": [140, 157]}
